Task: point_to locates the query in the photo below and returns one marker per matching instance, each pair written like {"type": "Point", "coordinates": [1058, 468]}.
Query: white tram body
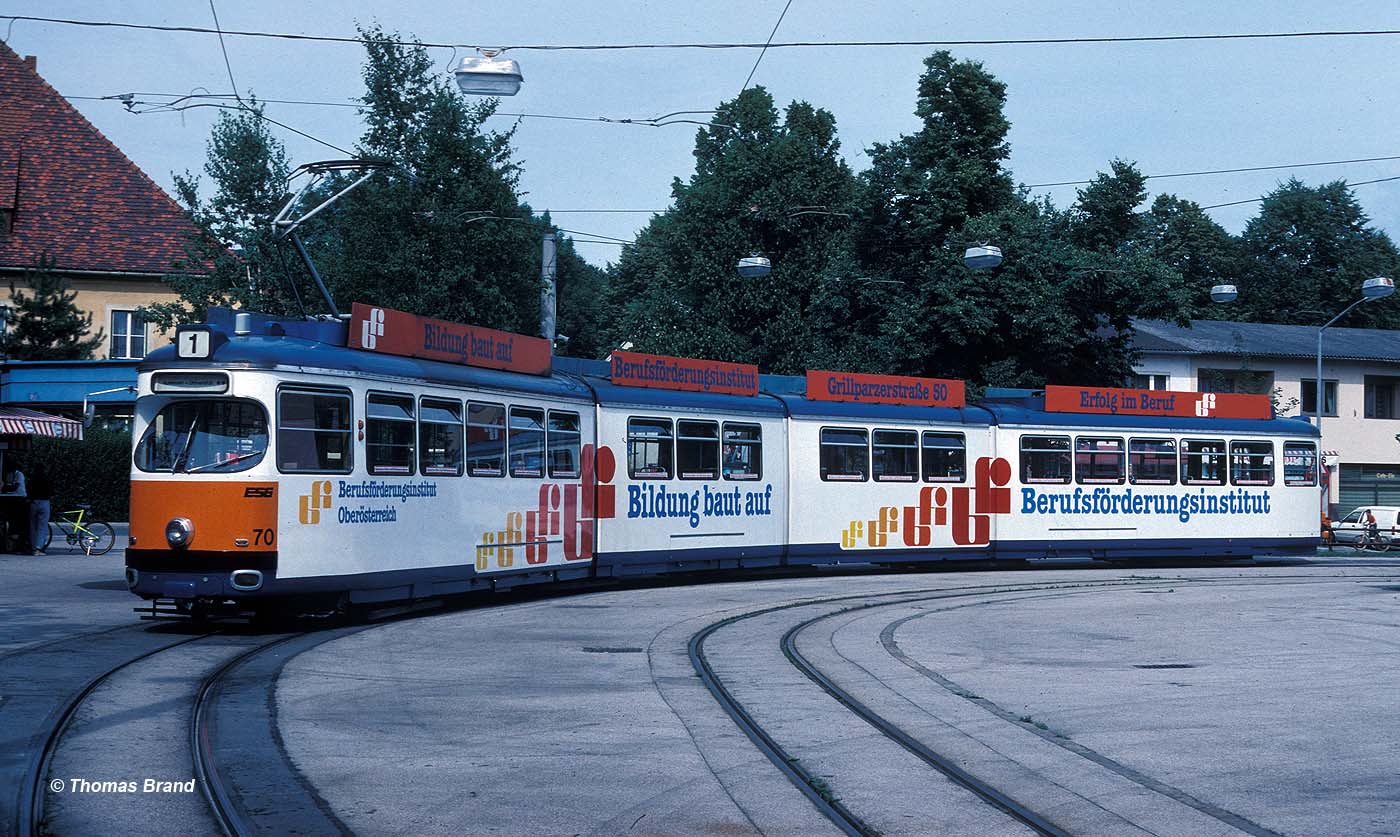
{"type": "Point", "coordinates": [273, 462]}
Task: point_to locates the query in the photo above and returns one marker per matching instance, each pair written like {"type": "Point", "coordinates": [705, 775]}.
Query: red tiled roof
{"type": "Point", "coordinates": [74, 195]}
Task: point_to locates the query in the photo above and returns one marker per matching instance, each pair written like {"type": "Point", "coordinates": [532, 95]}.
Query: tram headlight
{"type": "Point", "coordinates": [179, 532]}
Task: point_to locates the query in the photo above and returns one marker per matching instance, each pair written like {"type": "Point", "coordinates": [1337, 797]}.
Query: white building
{"type": "Point", "coordinates": [1361, 388]}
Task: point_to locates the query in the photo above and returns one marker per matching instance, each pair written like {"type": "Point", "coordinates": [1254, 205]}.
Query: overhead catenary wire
{"type": "Point", "coordinates": [763, 51]}
{"type": "Point", "coordinates": [1076, 40]}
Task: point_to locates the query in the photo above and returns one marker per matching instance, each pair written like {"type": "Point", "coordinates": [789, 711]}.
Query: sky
{"type": "Point", "coordinates": [1169, 106]}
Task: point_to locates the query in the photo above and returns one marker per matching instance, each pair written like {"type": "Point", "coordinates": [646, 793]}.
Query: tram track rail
{"type": "Point", "coordinates": [30, 813]}
{"type": "Point", "coordinates": [822, 797]}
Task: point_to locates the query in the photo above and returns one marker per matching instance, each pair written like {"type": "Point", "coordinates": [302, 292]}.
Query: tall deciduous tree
{"type": "Point", "coordinates": [761, 184]}
{"type": "Point", "coordinates": [45, 324]}
{"type": "Point", "coordinates": [233, 261]}
{"type": "Point", "coordinates": [1308, 252]}
{"type": "Point", "coordinates": [1178, 233]}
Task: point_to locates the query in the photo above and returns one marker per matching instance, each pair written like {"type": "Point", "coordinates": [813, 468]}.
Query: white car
{"type": "Point", "coordinates": [1350, 528]}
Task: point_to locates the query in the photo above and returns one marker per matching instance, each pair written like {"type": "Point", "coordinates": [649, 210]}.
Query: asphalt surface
{"type": "Point", "coordinates": [1220, 700]}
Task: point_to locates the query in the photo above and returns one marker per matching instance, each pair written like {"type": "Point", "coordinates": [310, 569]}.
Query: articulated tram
{"type": "Point", "coordinates": [322, 464]}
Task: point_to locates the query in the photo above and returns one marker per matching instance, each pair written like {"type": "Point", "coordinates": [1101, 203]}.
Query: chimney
{"type": "Point", "coordinates": [32, 62]}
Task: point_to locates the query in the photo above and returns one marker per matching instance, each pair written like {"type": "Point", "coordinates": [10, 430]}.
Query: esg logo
{"type": "Point", "coordinates": [967, 510]}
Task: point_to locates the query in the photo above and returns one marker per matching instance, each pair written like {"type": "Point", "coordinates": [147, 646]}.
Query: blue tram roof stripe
{"type": "Point", "coordinates": [321, 345]}
{"type": "Point", "coordinates": [262, 352]}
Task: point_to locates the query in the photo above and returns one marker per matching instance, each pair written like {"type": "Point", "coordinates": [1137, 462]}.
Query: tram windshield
{"type": "Point", "coordinates": [204, 435]}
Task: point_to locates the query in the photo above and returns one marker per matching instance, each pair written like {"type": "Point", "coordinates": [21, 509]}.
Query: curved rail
{"type": "Point", "coordinates": [206, 771]}
{"type": "Point", "coordinates": [31, 809]}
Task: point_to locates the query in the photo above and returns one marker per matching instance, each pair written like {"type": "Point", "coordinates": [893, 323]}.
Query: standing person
{"type": "Point", "coordinates": [15, 509]}
{"type": "Point", "coordinates": [40, 493]}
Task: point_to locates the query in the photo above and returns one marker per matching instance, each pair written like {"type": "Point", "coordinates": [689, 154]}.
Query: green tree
{"type": "Point", "coordinates": [1308, 251]}
{"type": "Point", "coordinates": [1178, 233]}
{"type": "Point", "coordinates": [761, 185]}
{"type": "Point", "coordinates": [443, 233]}
{"type": "Point", "coordinates": [923, 186]}
{"type": "Point", "coordinates": [45, 324]}
{"type": "Point", "coordinates": [234, 260]}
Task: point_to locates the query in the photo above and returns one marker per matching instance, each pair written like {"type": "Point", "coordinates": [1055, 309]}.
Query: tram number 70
{"type": "Point", "coordinates": [263, 537]}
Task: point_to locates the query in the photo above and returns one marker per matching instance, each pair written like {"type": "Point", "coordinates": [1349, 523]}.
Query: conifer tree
{"type": "Point", "coordinates": [45, 324]}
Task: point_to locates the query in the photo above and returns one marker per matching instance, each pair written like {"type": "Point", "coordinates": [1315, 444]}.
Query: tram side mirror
{"type": "Point", "coordinates": [89, 413]}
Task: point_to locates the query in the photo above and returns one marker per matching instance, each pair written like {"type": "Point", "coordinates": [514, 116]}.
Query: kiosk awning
{"type": "Point", "coordinates": [18, 421]}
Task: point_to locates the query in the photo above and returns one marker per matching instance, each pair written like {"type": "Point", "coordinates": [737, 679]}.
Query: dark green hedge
{"type": "Point", "coordinates": [96, 470]}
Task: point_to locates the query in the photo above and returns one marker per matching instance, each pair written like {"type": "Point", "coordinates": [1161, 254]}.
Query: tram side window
{"type": "Point", "coordinates": [945, 457]}
{"type": "Point", "coordinates": [563, 441]}
{"type": "Point", "coordinates": [440, 438]}
{"type": "Point", "coordinates": [389, 432]}
{"type": "Point", "coordinates": [895, 455]}
{"type": "Point", "coordinates": [1202, 462]}
{"type": "Point", "coordinates": [1252, 463]}
{"type": "Point", "coordinates": [313, 432]}
{"type": "Point", "coordinates": [845, 454]}
{"type": "Point", "coordinates": [1045, 459]}
{"type": "Point", "coordinates": [1299, 463]}
{"type": "Point", "coordinates": [1099, 460]}
{"type": "Point", "coordinates": [697, 450]}
{"type": "Point", "coordinates": [743, 451]}
{"type": "Point", "coordinates": [486, 439]}
{"type": "Point", "coordinates": [649, 448]}
{"type": "Point", "coordinates": [526, 442]}
{"type": "Point", "coordinates": [1152, 461]}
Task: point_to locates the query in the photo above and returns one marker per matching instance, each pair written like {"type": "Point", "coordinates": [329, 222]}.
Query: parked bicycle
{"type": "Point", "coordinates": [94, 537]}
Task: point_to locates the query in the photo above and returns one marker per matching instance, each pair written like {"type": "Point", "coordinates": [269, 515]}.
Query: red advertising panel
{"type": "Point", "coordinates": [633, 369]}
{"type": "Point", "coordinates": [885, 389]}
{"type": "Point", "coordinates": [1145, 402]}
{"type": "Point", "coordinates": [387, 331]}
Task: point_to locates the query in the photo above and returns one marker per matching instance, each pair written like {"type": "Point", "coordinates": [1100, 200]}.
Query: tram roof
{"type": "Point", "coordinates": [269, 352]}
{"type": "Point", "coordinates": [1028, 408]}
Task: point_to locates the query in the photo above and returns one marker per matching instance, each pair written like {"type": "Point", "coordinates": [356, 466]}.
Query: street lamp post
{"type": "Point", "coordinates": [1377, 288]}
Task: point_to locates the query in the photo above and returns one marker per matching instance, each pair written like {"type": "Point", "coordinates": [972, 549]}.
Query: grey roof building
{"type": "Point", "coordinates": [1361, 388]}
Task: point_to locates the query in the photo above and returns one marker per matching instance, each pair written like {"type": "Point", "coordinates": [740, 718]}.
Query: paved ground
{"type": "Point", "coordinates": [1181, 701]}
{"type": "Point", "coordinates": [1197, 701]}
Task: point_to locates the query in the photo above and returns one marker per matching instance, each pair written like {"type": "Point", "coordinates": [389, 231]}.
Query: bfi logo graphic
{"type": "Point", "coordinates": [967, 509]}
{"type": "Point", "coordinates": [570, 511]}
{"type": "Point", "coordinates": [310, 505]}
{"type": "Point", "coordinates": [1205, 404]}
{"type": "Point", "coordinates": [372, 328]}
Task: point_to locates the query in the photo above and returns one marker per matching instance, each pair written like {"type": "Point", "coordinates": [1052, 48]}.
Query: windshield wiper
{"type": "Point", "coordinates": [189, 437]}
{"type": "Point", "coordinates": [239, 458]}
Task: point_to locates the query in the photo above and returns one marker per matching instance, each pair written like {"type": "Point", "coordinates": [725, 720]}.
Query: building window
{"type": "Point", "coordinates": [1148, 380]}
{"type": "Point", "coordinates": [1380, 397]}
{"type": "Point", "coordinates": [1309, 399]}
{"type": "Point", "coordinates": [128, 335]}
{"type": "Point", "coordinates": [1234, 380]}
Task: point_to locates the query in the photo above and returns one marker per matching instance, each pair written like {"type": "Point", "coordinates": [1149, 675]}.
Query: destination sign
{"type": "Point", "coordinates": [634, 369]}
{"type": "Point", "coordinates": [387, 331]}
{"type": "Point", "coordinates": [1146, 402]}
{"type": "Point", "coordinates": [885, 389]}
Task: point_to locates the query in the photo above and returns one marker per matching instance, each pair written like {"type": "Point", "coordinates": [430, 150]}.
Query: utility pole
{"type": "Point", "coordinates": [549, 267]}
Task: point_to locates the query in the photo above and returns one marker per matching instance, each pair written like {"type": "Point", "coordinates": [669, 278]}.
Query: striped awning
{"type": "Point", "coordinates": [18, 421]}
